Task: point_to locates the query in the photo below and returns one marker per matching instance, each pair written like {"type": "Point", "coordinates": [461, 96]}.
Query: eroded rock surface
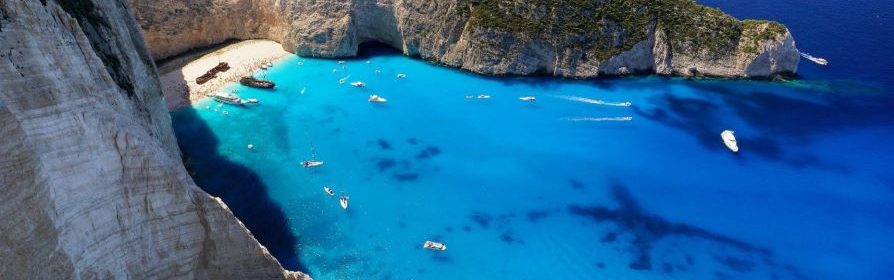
{"type": "Point", "coordinates": [91, 181]}
{"type": "Point", "coordinates": [579, 39]}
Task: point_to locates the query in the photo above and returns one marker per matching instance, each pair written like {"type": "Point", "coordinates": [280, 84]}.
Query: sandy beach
{"type": "Point", "coordinates": [178, 75]}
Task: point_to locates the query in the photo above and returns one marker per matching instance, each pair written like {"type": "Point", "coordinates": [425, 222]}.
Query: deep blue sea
{"type": "Point", "coordinates": [573, 186]}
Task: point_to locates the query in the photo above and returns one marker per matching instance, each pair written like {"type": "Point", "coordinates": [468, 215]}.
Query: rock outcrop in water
{"type": "Point", "coordinates": [579, 39]}
{"type": "Point", "coordinates": [91, 181]}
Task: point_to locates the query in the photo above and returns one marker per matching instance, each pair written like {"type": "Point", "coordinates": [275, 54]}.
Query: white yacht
{"type": "Point", "coordinates": [377, 99]}
{"type": "Point", "coordinates": [228, 98]}
{"type": "Point", "coordinates": [358, 84]}
{"type": "Point", "coordinates": [437, 246]}
{"type": "Point", "coordinates": [329, 191]}
{"type": "Point", "coordinates": [344, 202]}
{"type": "Point", "coordinates": [528, 99]}
{"type": "Point", "coordinates": [729, 139]}
{"type": "Point", "coordinates": [817, 60]}
{"type": "Point", "coordinates": [483, 96]}
{"type": "Point", "coordinates": [401, 76]}
{"type": "Point", "coordinates": [251, 147]}
{"type": "Point", "coordinates": [311, 163]}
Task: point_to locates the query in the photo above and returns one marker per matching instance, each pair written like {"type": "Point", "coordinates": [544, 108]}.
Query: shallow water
{"type": "Point", "coordinates": [575, 186]}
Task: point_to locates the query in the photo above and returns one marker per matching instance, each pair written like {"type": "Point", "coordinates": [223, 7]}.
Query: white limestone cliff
{"type": "Point", "coordinates": [91, 180]}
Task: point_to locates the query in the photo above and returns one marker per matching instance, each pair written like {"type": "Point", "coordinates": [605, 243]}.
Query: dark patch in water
{"type": "Point", "coordinates": [609, 237]}
{"type": "Point", "coordinates": [736, 264]}
{"type": "Point", "coordinates": [536, 215]}
{"type": "Point", "coordinates": [448, 229]}
{"type": "Point", "coordinates": [441, 258]}
{"type": "Point", "coordinates": [667, 268]}
{"type": "Point", "coordinates": [405, 177]}
{"type": "Point", "coordinates": [647, 229]}
{"type": "Point", "coordinates": [467, 228]}
{"type": "Point", "coordinates": [385, 164]}
{"type": "Point", "coordinates": [402, 225]}
{"type": "Point", "coordinates": [575, 184]}
{"type": "Point", "coordinates": [428, 152]}
{"type": "Point", "coordinates": [412, 141]}
{"type": "Point", "coordinates": [507, 237]}
{"type": "Point", "coordinates": [384, 145]}
{"type": "Point", "coordinates": [239, 186]}
{"type": "Point", "coordinates": [600, 265]}
{"type": "Point", "coordinates": [481, 219]}
{"type": "Point", "coordinates": [420, 270]}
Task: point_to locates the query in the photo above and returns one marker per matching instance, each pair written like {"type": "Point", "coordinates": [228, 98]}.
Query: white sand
{"type": "Point", "coordinates": [178, 76]}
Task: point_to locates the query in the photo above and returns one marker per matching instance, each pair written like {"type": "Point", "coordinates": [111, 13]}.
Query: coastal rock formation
{"type": "Point", "coordinates": [579, 39]}
{"type": "Point", "coordinates": [91, 180]}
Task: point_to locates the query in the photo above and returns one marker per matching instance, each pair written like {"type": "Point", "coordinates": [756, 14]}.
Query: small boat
{"type": "Point", "coordinates": [341, 62]}
{"type": "Point", "coordinates": [378, 71]}
{"type": "Point", "coordinates": [250, 101]}
{"type": "Point", "coordinates": [358, 84]}
{"type": "Point", "coordinates": [344, 202]}
{"type": "Point", "coordinates": [226, 113]}
{"type": "Point", "coordinates": [377, 99]}
{"type": "Point", "coordinates": [437, 246]}
{"type": "Point", "coordinates": [256, 83]}
{"type": "Point", "coordinates": [368, 62]}
{"type": "Point", "coordinates": [303, 90]}
{"type": "Point", "coordinates": [343, 80]}
{"type": "Point", "coordinates": [469, 97]}
{"type": "Point", "coordinates": [817, 60]}
{"type": "Point", "coordinates": [484, 96]}
{"type": "Point", "coordinates": [329, 191]}
{"type": "Point", "coordinates": [227, 98]}
{"type": "Point", "coordinates": [528, 99]}
{"type": "Point", "coordinates": [251, 147]}
{"type": "Point", "coordinates": [311, 163]}
{"type": "Point", "coordinates": [300, 63]}
{"type": "Point", "coordinates": [401, 76]}
{"type": "Point", "coordinates": [729, 139]}
{"type": "Point", "coordinates": [268, 65]}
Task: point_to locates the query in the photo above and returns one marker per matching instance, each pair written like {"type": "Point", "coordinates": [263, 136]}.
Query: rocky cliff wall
{"type": "Point", "coordinates": [91, 182]}
{"type": "Point", "coordinates": [568, 38]}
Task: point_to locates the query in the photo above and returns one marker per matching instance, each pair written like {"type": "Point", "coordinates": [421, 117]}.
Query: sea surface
{"type": "Point", "coordinates": [579, 184]}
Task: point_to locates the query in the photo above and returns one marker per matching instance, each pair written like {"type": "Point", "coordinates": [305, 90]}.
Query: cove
{"type": "Point", "coordinates": [574, 186]}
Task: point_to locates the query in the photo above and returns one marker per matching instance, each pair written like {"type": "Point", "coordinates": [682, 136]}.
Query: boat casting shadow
{"type": "Point", "coordinates": [240, 187]}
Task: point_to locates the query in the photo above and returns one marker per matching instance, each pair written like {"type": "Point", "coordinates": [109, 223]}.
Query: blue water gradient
{"type": "Point", "coordinates": [564, 188]}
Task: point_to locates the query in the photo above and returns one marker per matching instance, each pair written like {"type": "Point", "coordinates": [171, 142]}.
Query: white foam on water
{"type": "Point", "coordinates": [599, 119]}
{"type": "Point", "coordinates": [595, 101]}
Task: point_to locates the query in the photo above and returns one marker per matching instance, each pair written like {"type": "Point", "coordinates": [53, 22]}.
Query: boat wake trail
{"type": "Point", "coordinates": [602, 119]}
{"type": "Point", "coordinates": [595, 101]}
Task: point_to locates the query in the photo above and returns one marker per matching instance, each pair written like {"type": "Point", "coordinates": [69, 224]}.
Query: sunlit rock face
{"type": "Point", "coordinates": [91, 180]}
{"type": "Point", "coordinates": [675, 37]}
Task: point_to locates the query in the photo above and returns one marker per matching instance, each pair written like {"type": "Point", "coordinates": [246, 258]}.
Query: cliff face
{"type": "Point", "coordinates": [91, 182]}
{"type": "Point", "coordinates": [567, 38]}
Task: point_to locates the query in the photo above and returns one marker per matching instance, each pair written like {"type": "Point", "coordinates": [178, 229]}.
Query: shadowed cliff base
{"type": "Point", "coordinates": [239, 187]}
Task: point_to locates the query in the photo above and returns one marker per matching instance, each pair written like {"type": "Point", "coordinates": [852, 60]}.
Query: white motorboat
{"type": "Point", "coordinates": [251, 147]}
{"type": "Point", "coordinates": [268, 65]}
{"type": "Point", "coordinates": [329, 191]}
{"type": "Point", "coordinates": [401, 76]}
{"type": "Point", "coordinates": [227, 98]}
{"type": "Point", "coordinates": [729, 139]}
{"type": "Point", "coordinates": [483, 96]}
{"type": "Point", "coordinates": [344, 202]}
{"type": "Point", "coordinates": [528, 99]}
{"type": "Point", "coordinates": [437, 246]}
{"type": "Point", "coordinates": [358, 84]}
{"type": "Point", "coordinates": [226, 113]}
{"type": "Point", "coordinates": [377, 99]}
{"type": "Point", "coordinates": [311, 163]}
{"type": "Point", "coordinates": [303, 90]}
{"type": "Point", "coordinates": [341, 62]}
{"type": "Point", "coordinates": [250, 101]}
{"type": "Point", "coordinates": [817, 60]}
{"type": "Point", "coordinates": [368, 62]}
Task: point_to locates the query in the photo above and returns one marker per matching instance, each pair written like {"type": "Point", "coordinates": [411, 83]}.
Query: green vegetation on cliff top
{"type": "Point", "coordinates": [609, 27]}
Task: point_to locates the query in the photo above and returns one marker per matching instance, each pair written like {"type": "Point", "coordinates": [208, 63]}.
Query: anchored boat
{"type": "Point", "coordinates": [227, 98]}
{"type": "Point", "coordinates": [329, 191]}
{"type": "Point", "coordinates": [377, 99]}
{"type": "Point", "coordinates": [344, 202]}
{"type": "Point", "coordinates": [358, 84]}
{"type": "Point", "coordinates": [311, 163]}
{"type": "Point", "coordinates": [528, 99]}
{"type": "Point", "coordinates": [437, 246]}
{"type": "Point", "coordinates": [729, 139]}
{"type": "Point", "coordinates": [256, 83]}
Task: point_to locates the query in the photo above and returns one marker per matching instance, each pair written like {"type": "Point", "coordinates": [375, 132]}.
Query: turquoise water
{"type": "Point", "coordinates": [552, 190]}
